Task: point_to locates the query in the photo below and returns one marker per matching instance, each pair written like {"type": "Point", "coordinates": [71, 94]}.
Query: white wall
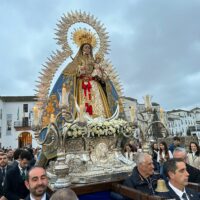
{"type": "Point", "coordinates": [12, 108]}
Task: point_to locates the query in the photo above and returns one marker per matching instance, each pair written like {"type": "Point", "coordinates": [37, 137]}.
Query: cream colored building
{"type": "Point", "coordinates": [16, 118]}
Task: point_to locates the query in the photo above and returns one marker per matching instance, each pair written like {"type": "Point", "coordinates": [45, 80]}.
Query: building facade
{"type": "Point", "coordinates": [16, 118]}
{"type": "Point", "coordinates": [178, 122]}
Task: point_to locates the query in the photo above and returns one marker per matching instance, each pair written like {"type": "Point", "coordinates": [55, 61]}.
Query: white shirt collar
{"type": "Point", "coordinates": [21, 169]}
{"type": "Point", "coordinates": [43, 197]}
{"type": "Point", "coordinates": [177, 191]}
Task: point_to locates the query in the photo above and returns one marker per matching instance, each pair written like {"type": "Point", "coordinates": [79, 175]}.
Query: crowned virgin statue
{"type": "Point", "coordinates": [87, 87]}
{"type": "Point", "coordinates": [88, 77]}
{"type": "Point", "coordinates": [87, 82]}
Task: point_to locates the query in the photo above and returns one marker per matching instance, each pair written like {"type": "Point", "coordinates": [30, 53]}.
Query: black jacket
{"type": "Point", "coordinates": [194, 174]}
{"type": "Point", "coordinates": [14, 186]}
{"type": "Point", "coordinates": [1, 180]}
{"type": "Point", "coordinates": [28, 197]}
{"type": "Point", "coordinates": [137, 182]}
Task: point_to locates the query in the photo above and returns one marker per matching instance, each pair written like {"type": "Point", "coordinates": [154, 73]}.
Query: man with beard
{"type": "Point", "coordinates": [3, 169]}
{"type": "Point", "coordinates": [37, 183]}
{"type": "Point", "coordinates": [176, 171]}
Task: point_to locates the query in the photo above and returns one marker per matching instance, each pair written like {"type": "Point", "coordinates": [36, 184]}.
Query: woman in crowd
{"type": "Point", "coordinates": [154, 148]}
{"type": "Point", "coordinates": [127, 152]}
{"type": "Point", "coordinates": [194, 155]}
{"type": "Point", "coordinates": [163, 155]}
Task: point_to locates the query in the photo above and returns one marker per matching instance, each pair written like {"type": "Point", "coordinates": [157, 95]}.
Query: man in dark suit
{"type": "Point", "coordinates": [14, 186]}
{"type": "Point", "coordinates": [194, 173]}
{"type": "Point", "coordinates": [37, 183]}
{"type": "Point", "coordinates": [4, 167]}
{"type": "Point", "coordinates": [175, 170]}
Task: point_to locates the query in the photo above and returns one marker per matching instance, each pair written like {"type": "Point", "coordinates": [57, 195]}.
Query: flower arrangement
{"type": "Point", "coordinates": [97, 129]}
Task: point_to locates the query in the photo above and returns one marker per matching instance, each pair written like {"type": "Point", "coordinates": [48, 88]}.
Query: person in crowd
{"type": "Point", "coordinates": [163, 155]}
{"type": "Point", "coordinates": [14, 186]}
{"type": "Point", "coordinates": [10, 156]}
{"type": "Point", "coordinates": [194, 173]}
{"type": "Point", "coordinates": [32, 162]}
{"type": "Point", "coordinates": [142, 177]}
{"type": "Point", "coordinates": [64, 194]}
{"type": "Point", "coordinates": [154, 150]}
{"type": "Point", "coordinates": [37, 183]}
{"type": "Point", "coordinates": [4, 167]}
{"type": "Point", "coordinates": [178, 176]}
{"type": "Point", "coordinates": [176, 143]}
{"type": "Point", "coordinates": [16, 157]}
{"type": "Point", "coordinates": [133, 146]}
{"type": "Point", "coordinates": [194, 155]}
{"type": "Point", "coordinates": [127, 152]}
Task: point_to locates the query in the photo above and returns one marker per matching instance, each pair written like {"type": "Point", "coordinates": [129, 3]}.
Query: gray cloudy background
{"type": "Point", "coordinates": [155, 45]}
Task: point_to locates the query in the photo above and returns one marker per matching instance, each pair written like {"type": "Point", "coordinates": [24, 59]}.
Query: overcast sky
{"type": "Point", "coordinates": [155, 45]}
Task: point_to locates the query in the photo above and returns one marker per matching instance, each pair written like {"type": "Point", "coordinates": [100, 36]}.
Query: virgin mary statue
{"type": "Point", "coordinates": [85, 81]}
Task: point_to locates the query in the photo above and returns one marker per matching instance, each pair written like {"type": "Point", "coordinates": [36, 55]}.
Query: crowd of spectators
{"type": "Point", "coordinates": [21, 178]}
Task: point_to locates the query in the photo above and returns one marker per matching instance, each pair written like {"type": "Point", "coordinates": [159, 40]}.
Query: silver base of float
{"type": "Point", "coordinates": [101, 163]}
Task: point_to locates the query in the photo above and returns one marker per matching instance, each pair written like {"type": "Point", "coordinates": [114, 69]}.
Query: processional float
{"type": "Point", "coordinates": [81, 123]}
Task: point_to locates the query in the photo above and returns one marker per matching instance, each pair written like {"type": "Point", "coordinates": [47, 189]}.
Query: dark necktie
{"type": "Point", "coordinates": [23, 174]}
{"type": "Point", "coordinates": [3, 172]}
{"type": "Point", "coordinates": [184, 196]}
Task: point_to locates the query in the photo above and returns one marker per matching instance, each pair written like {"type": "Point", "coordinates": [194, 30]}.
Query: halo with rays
{"type": "Point", "coordinates": [57, 58]}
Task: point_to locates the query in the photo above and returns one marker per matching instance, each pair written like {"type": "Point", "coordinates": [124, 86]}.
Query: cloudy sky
{"type": "Point", "coordinates": [155, 45]}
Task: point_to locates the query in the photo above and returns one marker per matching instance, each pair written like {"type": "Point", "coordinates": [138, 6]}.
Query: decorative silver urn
{"type": "Point", "coordinates": [62, 172]}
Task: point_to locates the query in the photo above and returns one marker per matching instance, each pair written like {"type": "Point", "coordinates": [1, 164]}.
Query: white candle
{"type": "Point", "coordinates": [52, 118]}
{"type": "Point", "coordinates": [35, 112]}
{"type": "Point", "coordinates": [64, 95]}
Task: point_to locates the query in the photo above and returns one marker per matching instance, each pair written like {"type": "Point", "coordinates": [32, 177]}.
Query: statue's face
{"type": "Point", "coordinates": [86, 49]}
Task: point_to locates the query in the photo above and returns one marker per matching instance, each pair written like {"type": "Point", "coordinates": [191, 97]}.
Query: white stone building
{"type": "Point", "coordinates": [180, 122]}
{"type": "Point", "coordinates": [16, 117]}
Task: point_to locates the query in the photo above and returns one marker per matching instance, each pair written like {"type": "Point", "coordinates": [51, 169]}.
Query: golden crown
{"type": "Point", "coordinates": [82, 36]}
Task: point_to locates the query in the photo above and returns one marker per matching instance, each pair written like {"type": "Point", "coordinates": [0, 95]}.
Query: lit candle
{"type": "Point", "coordinates": [64, 95]}
{"type": "Point", "coordinates": [35, 112]}
{"type": "Point", "coordinates": [52, 118]}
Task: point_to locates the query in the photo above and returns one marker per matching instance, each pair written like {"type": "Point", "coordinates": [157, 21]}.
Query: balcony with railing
{"type": "Point", "coordinates": [23, 125]}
